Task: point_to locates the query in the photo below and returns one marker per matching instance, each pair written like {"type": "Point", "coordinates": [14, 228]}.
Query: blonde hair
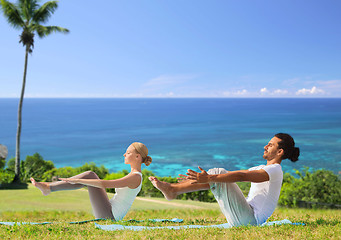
{"type": "Point", "coordinates": [143, 151]}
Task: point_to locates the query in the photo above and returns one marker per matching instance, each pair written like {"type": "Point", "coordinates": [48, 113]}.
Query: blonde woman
{"type": "Point", "coordinates": [126, 188]}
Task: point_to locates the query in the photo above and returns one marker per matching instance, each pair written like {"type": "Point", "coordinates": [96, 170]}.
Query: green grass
{"type": "Point", "coordinates": [62, 207]}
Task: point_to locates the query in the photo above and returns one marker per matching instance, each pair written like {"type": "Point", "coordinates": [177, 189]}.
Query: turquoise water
{"type": "Point", "coordinates": [180, 133]}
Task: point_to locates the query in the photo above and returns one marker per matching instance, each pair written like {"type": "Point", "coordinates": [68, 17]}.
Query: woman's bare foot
{"type": "Point", "coordinates": [42, 186]}
{"type": "Point", "coordinates": [164, 187]}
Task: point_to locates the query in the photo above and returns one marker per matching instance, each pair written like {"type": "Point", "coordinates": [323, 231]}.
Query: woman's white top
{"type": "Point", "coordinates": [123, 199]}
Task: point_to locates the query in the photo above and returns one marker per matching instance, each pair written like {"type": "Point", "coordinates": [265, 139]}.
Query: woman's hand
{"type": "Point", "coordinates": [197, 177]}
{"type": "Point", "coordinates": [71, 180]}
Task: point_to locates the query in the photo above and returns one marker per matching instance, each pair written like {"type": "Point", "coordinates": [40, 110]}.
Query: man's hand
{"type": "Point", "coordinates": [197, 177]}
{"type": "Point", "coordinates": [182, 178]}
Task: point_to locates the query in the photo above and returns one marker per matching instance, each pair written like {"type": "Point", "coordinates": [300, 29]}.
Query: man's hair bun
{"type": "Point", "coordinates": [295, 154]}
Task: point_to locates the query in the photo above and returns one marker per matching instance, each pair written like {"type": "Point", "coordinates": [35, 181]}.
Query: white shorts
{"type": "Point", "coordinates": [232, 201]}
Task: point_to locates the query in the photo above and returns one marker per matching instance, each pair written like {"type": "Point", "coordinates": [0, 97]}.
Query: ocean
{"type": "Point", "coordinates": [179, 133]}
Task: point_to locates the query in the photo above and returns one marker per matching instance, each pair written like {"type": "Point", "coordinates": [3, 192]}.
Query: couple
{"type": "Point", "coordinates": [266, 182]}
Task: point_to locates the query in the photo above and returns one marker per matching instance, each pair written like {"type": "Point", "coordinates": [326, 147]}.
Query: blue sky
{"type": "Point", "coordinates": [181, 48]}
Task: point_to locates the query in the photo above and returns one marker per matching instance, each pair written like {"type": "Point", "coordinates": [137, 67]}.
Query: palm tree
{"type": "Point", "coordinates": [28, 15]}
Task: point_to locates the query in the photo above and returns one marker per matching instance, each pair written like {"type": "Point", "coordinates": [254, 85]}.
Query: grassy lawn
{"type": "Point", "coordinates": [62, 207]}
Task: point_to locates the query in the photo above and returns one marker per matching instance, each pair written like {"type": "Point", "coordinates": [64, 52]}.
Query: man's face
{"type": "Point", "coordinates": [271, 150]}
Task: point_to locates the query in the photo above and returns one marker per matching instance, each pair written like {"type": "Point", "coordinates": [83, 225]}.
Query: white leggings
{"type": "Point", "coordinates": [232, 201]}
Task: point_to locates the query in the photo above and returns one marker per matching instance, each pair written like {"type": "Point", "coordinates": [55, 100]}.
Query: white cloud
{"type": "Point", "coordinates": [312, 91]}
{"type": "Point", "coordinates": [264, 90]}
{"type": "Point", "coordinates": [330, 88]}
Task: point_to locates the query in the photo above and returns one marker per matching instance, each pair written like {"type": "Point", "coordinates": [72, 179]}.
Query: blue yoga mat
{"type": "Point", "coordinates": [44, 223]}
{"type": "Point", "coordinates": [175, 220]}
{"type": "Point", "coordinates": [115, 227]}
{"type": "Point", "coordinates": [23, 223]}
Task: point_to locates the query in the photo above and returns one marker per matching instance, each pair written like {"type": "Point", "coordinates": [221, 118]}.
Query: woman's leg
{"type": "Point", "coordinates": [98, 197]}
{"type": "Point", "coordinates": [62, 186]}
{"type": "Point", "coordinates": [47, 187]}
{"type": "Point", "coordinates": [172, 190]}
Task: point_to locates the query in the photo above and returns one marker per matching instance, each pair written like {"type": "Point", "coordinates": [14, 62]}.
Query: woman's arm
{"type": "Point", "coordinates": [233, 176]}
{"type": "Point", "coordinates": [131, 181]}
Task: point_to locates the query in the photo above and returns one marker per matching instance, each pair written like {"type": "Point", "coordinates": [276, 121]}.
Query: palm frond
{"type": "Point", "coordinates": [44, 31]}
{"type": "Point", "coordinates": [12, 14]}
{"type": "Point", "coordinates": [42, 14]}
{"type": "Point", "coordinates": [28, 7]}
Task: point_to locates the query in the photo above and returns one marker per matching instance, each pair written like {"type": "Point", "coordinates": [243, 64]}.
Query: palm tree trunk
{"type": "Point", "coordinates": [17, 153]}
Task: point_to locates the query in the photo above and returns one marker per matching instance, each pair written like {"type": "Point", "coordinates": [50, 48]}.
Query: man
{"type": "Point", "coordinates": [266, 181]}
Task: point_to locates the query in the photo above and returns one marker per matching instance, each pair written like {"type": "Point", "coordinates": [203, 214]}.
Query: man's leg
{"type": "Point", "coordinates": [172, 190]}
{"type": "Point", "coordinates": [228, 195]}
{"type": "Point", "coordinates": [232, 201]}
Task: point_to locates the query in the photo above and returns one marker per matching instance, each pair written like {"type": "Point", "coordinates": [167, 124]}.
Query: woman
{"type": "Point", "coordinates": [126, 188]}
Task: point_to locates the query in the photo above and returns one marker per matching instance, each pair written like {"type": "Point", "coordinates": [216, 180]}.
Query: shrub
{"type": "Point", "coordinates": [10, 165]}
{"type": "Point", "coordinates": [63, 172]}
{"type": "Point", "coordinates": [35, 166]}
{"type": "Point", "coordinates": [100, 171]}
{"type": "Point", "coordinates": [6, 177]}
{"type": "Point", "coordinates": [66, 172]}
{"type": "Point", "coordinates": [321, 187]}
{"type": "Point", "coordinates": [2, 163]}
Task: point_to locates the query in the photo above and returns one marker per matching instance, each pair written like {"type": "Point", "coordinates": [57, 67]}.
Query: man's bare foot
{"type": "Point", "coordinates": [42, 186]}
{"type": "Point", "coordinates": [164, 187]}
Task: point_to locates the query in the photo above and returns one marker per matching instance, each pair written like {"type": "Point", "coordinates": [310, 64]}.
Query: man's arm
{"type": "Point", "coordinates": [233, 176]}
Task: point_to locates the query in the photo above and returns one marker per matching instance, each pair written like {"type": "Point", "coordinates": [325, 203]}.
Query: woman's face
{"type": "Point", "coordinates": [130, 155]}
